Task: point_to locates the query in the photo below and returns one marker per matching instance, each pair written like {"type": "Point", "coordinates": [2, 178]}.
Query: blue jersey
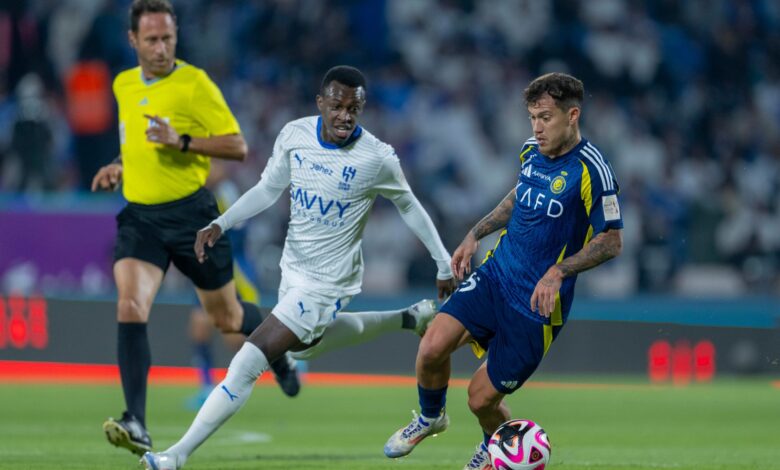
{"type": "Point", "coordinates": [560, 204]}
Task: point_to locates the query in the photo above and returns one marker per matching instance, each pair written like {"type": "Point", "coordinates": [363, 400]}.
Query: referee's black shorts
{"type": "Point", "coordinates": [161, 233]}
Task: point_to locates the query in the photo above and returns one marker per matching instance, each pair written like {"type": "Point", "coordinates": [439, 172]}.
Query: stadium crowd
{"type": "Point", "coordinates": [683, 98]}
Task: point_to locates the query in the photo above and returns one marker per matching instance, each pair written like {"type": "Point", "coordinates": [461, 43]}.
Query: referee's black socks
{"type": "Point", "coordinates": [134, 358]}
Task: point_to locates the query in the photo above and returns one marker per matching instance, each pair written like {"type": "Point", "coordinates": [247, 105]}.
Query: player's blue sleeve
{"type": "Point", "coordinates": [599, 190]}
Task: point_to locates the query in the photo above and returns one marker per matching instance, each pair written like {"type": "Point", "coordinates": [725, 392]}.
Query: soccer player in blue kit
{"type": "Point", "coordinates": [560, 219]}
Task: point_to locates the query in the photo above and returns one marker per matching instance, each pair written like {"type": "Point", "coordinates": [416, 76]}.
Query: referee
{"type": "Point", "coordinates": [172, 121]}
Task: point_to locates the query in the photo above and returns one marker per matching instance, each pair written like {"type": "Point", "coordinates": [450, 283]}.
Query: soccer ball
{"type": "Point", "coordinates": [519, 444]}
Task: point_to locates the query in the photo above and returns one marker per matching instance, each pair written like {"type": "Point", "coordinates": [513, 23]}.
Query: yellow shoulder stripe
{"type": "Point", "coordinates": [586, 191]}
{"type": "Point", "coordinates": [522, 155]}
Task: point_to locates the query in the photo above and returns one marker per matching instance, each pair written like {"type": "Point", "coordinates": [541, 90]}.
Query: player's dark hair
{"type": "Point", "coordinates": [139, 7]}
{"type": "Point", "coordinates": [344, 74]}
{"type": "Point", "coordinates": [566, 90]}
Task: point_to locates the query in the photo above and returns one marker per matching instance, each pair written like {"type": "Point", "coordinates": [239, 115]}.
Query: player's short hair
{"type": "Point", "coordinates": [139, 7]}
{"type": "Point", "coordinates": [566, 90]}
{"type": "Point", "coordinates": [344, 74]}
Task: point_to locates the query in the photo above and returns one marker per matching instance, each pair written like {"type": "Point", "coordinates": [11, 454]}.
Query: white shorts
{"type": "Point", "coordinates": [307, 313]}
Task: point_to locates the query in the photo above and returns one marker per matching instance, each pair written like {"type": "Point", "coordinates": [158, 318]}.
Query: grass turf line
{"type": "Point", "coordinates": [727, 424]}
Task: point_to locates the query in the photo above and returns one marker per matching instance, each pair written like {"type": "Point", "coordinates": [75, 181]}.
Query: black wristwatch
{"type": "Point", "coordinates": [185, 140]}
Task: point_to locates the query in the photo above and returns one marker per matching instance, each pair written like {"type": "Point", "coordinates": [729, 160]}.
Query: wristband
{"type": "Point", "coordinates": [185, 142]}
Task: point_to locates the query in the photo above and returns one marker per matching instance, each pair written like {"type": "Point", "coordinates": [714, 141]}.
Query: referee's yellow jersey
{"type": "Point", "coordinates": [190, 102]}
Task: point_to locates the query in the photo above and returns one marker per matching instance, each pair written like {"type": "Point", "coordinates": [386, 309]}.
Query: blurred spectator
{"type": "Point", "coordinates": [683, 98]}
{"type": "Point", "coordinates": [91, 116]}
{"type": "Point", "coordinates": [32, 136]}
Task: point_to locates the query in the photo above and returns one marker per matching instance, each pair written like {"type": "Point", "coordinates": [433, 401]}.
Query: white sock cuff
{"type": "Point", "coordinates": [249, 362]}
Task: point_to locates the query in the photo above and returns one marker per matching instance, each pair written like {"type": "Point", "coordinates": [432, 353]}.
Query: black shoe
{"type": "Point", "coordinates": [286, 375]}
{"type": "Point", "coordinates": [129, 433]}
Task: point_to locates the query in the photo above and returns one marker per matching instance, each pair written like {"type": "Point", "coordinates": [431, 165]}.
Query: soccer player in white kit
{"type": "Point", "coordinates": [334, 170]}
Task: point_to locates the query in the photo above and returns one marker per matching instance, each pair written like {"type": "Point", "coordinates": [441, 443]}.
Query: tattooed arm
{"type": "Point", "coordinates": [603, 247]}
{"type": "Point", "coordinates": [497, 219]}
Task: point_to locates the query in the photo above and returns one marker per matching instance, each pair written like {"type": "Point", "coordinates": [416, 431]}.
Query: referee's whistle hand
{"type": "Point", "coordinates": [161, 132]}
{"type": "Point", "coordinates": [207, 235]}
{"type": "Point", "coordinates": [107, 178]}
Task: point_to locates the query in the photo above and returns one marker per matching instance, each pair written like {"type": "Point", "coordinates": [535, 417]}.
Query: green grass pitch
{"type": "Point", "coordinates": [625, 425]}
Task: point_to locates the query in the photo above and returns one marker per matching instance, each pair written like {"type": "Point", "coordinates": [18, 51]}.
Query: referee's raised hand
{"type": "Point", "coordinates": [207, 235]}
{"type": "Point", "coordinates": [161, 132]}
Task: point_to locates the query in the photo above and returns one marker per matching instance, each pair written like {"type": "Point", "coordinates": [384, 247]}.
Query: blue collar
{"type": "Point", "coordinates": [355, 136]}
{"type": "Point", "coordinates": [574, 150]}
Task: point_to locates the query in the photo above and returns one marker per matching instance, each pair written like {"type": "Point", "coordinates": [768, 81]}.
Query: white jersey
{"type": "Point", "coordinates": [332, 189]}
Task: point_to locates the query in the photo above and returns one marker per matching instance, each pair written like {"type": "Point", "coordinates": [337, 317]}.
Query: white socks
{"type": "Point", "coordinates": [229, 395]}
{"type": "Point", "coordinates": [351, 328]}
{"type": "Point", "coordinates": [226, 398]}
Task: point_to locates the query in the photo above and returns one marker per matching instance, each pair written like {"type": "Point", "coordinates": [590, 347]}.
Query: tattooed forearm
{"type": "Point", "coordinates": [603, 247]}
{"type": "Point", "coordinates": [498, 217]}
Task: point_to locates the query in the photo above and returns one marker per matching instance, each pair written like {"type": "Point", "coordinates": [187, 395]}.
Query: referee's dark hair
{"type": "Point", "coordinates": [139, 7]}
{"type": "Point", "coordinates": [344, 74]}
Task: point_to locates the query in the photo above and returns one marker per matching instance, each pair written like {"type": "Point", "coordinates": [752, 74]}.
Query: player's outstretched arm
{"type": "Point", "coordinates": [207, 235]}
{"type": "Point", "coordinates": [274, 180]}
{"type": "Point", "coordinates": [228, 147]}
{"type": "Point", "coordinates": [108, 177]}
{"type": "Point", "coordinates": [257, 199]}
{"type": "Point", "coordinates": [392, 184]}
{"type": "Point", "coordinates": [603, 247]}
{"type": "Point", "coordinates": [497, 219]}
{"type": "Point", "coordinates": [418, 220]}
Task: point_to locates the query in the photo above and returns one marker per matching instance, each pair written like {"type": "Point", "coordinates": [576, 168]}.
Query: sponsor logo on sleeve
{"type": "Point", "coordinates": [611, 207]}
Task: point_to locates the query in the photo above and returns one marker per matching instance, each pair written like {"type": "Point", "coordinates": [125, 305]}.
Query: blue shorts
{"type": "Point", "coordinates": [515, 343]}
